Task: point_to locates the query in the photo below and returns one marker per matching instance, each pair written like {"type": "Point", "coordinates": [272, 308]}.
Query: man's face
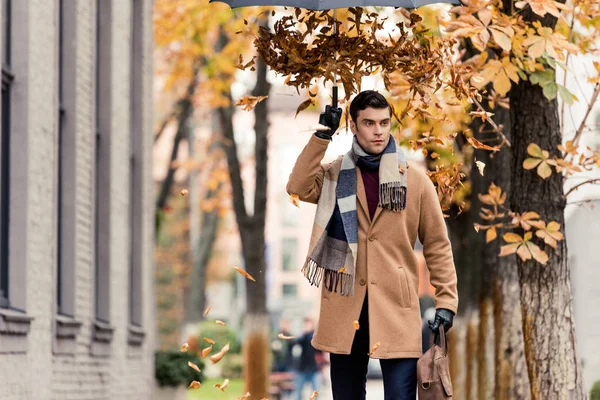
{"type": "Point", "coordinates": [372, 129]}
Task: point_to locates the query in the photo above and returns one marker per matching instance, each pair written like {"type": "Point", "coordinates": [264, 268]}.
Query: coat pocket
{"type": "Point", "coordinates": [403, 288]}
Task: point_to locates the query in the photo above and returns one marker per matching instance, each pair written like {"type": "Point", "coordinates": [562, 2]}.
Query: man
{"type": "Point", "coordinates": [307, 368]}
{"type": "Point", "coordinates": [282, 349]}
{"type": "Point", "coordinates": [372, 206]}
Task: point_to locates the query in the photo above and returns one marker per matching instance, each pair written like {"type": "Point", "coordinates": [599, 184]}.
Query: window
{"type": "Point", "coordinates": [290, 290]}
{"type": "Point", "coordinates": [7, 79]}
{"type": "Point", "coordinates": [289, 247]}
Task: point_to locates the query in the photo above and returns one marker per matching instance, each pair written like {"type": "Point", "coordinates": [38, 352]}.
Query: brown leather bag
{"type": "Point", "coordinates": [433, 370]}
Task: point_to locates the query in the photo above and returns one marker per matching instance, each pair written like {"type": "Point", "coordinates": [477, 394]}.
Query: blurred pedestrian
{"type": "Point", "coordinates": [307, 369]}
{"type": "Point", "coordinates": [282, 349]}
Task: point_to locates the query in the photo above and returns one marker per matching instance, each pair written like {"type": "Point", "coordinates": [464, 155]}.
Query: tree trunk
{"type": "Point", "coordinates": [546, 298]}
{"type": "Point", "coordinates": [185, 110]}
{"type": "Point", "coordinates": [252, 233]}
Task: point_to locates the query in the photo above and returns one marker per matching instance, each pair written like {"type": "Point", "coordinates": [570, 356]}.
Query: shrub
{"type": "Point", "coordinates": [221, 335]}
{"type": "Point", "coordinates": [233, 366]}
{"type": "Point", "coordinates": [171, 368]}
{"type": "Point", "coordinates": [595, 393]}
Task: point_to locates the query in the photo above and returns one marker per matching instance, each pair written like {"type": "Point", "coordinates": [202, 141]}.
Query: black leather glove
{"type": "Point", "coordinates": [331, 118]}
{"type": "Point", "coordinates": [443, 317]}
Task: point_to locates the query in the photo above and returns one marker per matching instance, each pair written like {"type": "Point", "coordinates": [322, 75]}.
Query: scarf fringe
{"type": "Point", "coordinates": [392, 196]}
{"type": "Point", "coordinates": [333, 280]}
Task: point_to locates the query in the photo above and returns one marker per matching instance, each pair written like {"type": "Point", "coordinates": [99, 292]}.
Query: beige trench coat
{"type": "Point", "coordinates": [386, 263]}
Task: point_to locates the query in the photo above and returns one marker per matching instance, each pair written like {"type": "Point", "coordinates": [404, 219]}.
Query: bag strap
{"type": "Point", "coordinates": [443, 343]}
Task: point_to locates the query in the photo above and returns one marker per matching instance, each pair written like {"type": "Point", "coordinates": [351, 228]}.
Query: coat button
{"type": "Point", "coordinates": [371, 238]}
{"type": "Point", "coordinates": [362, 282]}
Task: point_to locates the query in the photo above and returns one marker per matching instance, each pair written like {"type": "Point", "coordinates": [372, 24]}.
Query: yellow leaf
{"type": "Point", "coordinates": [490, 235]}
{"type": "Point", "coordinates": [523, 253]}
{"type": "Point", "coordinates": [538, 254]}
{"type": "Point", "coordinates": [511, 237]}
{"type": "Point", "coordinates": [544, 170]}
{"type": "Point", "coordinates": [206, 311]}
{"type": "Point", "coordinates": [531, 163]}
{"type": "Point", "coordinates": [535, 150]}
{"type": "Point", "coordinates": [509, 249]}
{"type": "Point", "coordinates": [220, 322]}
{"type": "Point", "coordinates": [184, 192]}
{"type": "Point", "coordinates": [501, 39]}
{"type": "Point", "coordinates": [184, 347]}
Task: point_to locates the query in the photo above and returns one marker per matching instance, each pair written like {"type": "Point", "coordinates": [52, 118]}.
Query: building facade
{"type": "Point", "coordinates": [76, 200]}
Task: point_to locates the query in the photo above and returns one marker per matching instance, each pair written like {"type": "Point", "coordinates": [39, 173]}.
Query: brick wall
{"type": "Point", "coordinates": [39, 373]}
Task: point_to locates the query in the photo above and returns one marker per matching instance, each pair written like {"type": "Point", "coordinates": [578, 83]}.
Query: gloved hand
{"type": "Point", "coordinates": [330, 118]}
{"type": "Point", "coordinates": [444, 317]}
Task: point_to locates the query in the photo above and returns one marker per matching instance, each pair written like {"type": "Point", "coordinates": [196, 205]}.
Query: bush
{"type": "Point", "coordinates": [233, 365]}
{"type": "Point", "coordinates": [221, 335]}
{"type": "Point", "coordinates": [171, 368]}
{"type": "Point", "coordinates": [595, 393]}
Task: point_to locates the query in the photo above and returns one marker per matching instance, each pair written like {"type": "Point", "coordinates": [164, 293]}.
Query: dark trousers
{"type": "Point", "coordinates": [349, 371]}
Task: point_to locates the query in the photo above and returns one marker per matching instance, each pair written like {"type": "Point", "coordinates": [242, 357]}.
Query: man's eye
{"type": "Point", "coordinates": [385, 123]}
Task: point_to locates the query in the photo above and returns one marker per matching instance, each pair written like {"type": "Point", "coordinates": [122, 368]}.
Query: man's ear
{"type": "Point", "coordinates": [352, 127]}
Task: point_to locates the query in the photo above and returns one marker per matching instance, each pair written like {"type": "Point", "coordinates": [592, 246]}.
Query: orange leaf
{"type": "Point", "coordinates": [356, 325]}
{"type": "Point", "coordinates": [206, 351]}
{"type": "Point", "coordinates": [374, 349]}
{"type": "Point", "coordinates": [478, 145]}
{"type": "Point", "coordinates": [244, 274]}
{"type": "Point", "coordinates": [490, 235]}
{"type": "Point", "coordinates": [193, 366]}
{"type": "Point", "coordinates": [220, 322]}
{"type": "Point", "coordinates": [215, 358]}
{"type": "Point", "coordinates": [223, 385]}
{"type": "Point", "coordinates": [314, 395]}
{"type": "Point", "coordinates": [184, 347]}
{"type": "Point", "coordinates": [304, 105]}
{"type": "Point", "coordinates": [206, 311]}
{"type": "Point", "coordinates": [284, 337]}
{"type": "Point", "coordinates": [209, 340]}
{"type": "Point", "coordinates": [184, 192]}
{"type": "Point", "coordinates": [195, 385]}
{"type": "Point", "coordinates": [510, 237]}
{"type": "Point", "coordinates": [538, 254]}
{"type": "Point", "coordinates": [295, 200]}
{"type": "Point", "coordinates": [509, 249]}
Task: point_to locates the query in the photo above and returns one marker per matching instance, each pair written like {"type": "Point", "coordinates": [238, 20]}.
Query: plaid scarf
{"type": "Point", "coordinates": [334, 241]}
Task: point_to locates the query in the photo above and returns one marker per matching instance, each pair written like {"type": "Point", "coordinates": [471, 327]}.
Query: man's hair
{"type": "Point", "coordinates": [368, 98]}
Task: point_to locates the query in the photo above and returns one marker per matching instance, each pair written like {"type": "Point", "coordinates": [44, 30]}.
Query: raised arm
{"type": "Point", "coordinates": [306, 178]}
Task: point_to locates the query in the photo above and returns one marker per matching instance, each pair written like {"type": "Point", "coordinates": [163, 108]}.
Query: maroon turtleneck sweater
{"type": "Point", "coordinates": [371, 181]}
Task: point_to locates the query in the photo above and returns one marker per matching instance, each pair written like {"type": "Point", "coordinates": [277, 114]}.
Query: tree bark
{"type": "Point", "coordinates": [252, 234]}
{"type": "Point", "coordinates": [546, 299]}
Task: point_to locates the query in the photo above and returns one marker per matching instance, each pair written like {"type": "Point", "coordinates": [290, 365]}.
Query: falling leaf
{"type": "Point", "coordinates": [246, 396]}
{"type": "Point", "coordinates": [478, 145]}
{"type": "Point", "coordinates": [184, 347]}
{"type": "Point", "coordinates": [206, 311]}
{"type": "Point", "coordinates": [209, 340]}
{"type": "Point", "coordinates": [356, 325]}
{"type": "Point", "coordinates": [249, 102]}
{"type": "Point", "coordinates": [184, 192]}
{"type": "Point", "coordinates": [215, 358]}
{"type": "Point", "coordinates": [193, 366]}
{"type": "Point", "coordinates": [314, 395]}
{"type": "Point", "coordinates": [220, 322]}
{"type": "Point", "coordinates": [284, 337]}
{"type": "Point", "coordinates": [295, 200]}
{"type": "Point", "coordinates": [303, 106]}
{"type": "Point", "coordinates": [195, 385]}
{"type": "Point", "coordinates": [476, 226]}
{"type": "Point", "coordinates": [223, 385]}
{"type": "Point", "coordinates": [206, 351]}
{"type": "Point", "coordinates": [342, 270]}
{"type": "Point", "coordinates": [375, 347]}
{"type": "Point", "coordinates": [244, 274]}
{"type": "Point", "coordinates": [480, 166]}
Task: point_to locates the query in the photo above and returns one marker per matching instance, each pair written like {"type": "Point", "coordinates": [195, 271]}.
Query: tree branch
{"type": "Point", "coordinates": [581, 184]}
{"type": "Point", "coordinates": [587, 113]}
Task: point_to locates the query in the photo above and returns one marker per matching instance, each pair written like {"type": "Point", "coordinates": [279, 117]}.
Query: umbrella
{"type": "Point", "coordinates": [333, 5]}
